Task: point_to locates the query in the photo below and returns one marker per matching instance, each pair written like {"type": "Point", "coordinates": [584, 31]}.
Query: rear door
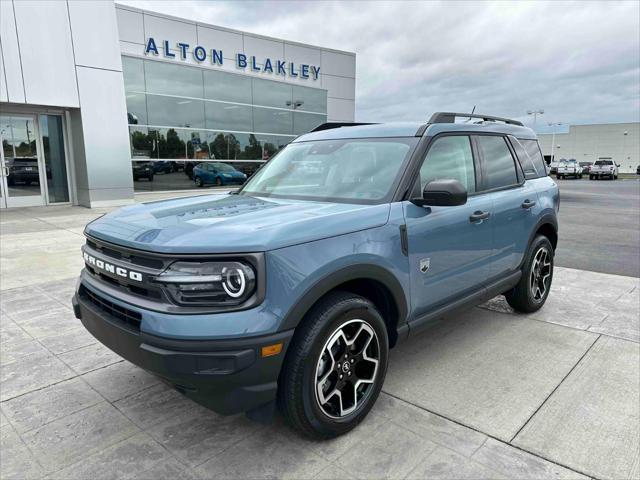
{"type": "Point", "coordinates": [449, 247]}
{"type": "Point", "coordinates": [514, 202]}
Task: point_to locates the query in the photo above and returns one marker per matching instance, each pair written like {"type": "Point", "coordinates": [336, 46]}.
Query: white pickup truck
{"type": "Point", "coordinates": [569, 168]}
{"type": "Point", "coordinates": [604, 168]}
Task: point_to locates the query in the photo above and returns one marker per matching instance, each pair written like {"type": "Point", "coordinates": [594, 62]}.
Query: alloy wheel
{"type": "Point", "coordinates": [540, 274]}
{"type": "Point", "coordinates": [347, 368]}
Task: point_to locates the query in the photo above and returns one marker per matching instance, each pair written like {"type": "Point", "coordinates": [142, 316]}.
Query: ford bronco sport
{"type": "Point", "coordinates": [291, 291]}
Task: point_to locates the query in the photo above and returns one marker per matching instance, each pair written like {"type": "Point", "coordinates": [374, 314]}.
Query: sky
{"type": "Point", "coordinates": [577, 61]}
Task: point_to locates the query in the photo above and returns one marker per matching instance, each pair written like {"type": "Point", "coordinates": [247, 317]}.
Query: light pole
{"type": "Point", "coordinates": [535, 114]}
{"type": "Point", "coordinates": [624, 147]}
{"type": "Point", "coordinates": [553, 139]}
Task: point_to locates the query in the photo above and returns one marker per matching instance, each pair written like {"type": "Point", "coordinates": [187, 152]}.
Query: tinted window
{"type": "Point", "coordinates": [604, 162]}
{"type": "Point", "coordinates": [227, 87]}
{"type": "Point", "coordinates": [528, 168]}
{"type": "Point", "coordinates": [533, 149]}
{"type": "Point", "coordinates": [305, 122]}
{"type": "Point", "coordinates": [171, 79]}
{"type": "Point", "coordinates": [449, 158]}
{"type": "Point", "coordinates": [499, 165]}
{"type": "Point", "coordinates": [272, 94]}
{"type": "Point", "coordinates": [311, 99]}
{"type": "Point", "coordinates": [227, 116]}
{"type": "Point", "coordinates": [269, 120]}
{"type": "Point", "coordinates": [175, 111]}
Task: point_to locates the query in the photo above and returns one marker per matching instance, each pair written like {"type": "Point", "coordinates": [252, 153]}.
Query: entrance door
{"type": "Point", "coordinates": [22, 173]}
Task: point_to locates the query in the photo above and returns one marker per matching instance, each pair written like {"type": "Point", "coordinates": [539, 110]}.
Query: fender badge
{"type": "Point", "coordinates": [425, 263]}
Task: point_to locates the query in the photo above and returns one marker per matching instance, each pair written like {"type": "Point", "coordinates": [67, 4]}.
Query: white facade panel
{"type": "Point", "coordinates": [12, 78]}
{"type": "Point", "coordinates": [173, 31]}
{"type": "Point", "coordinates": [262, 48]}
{"type": "Point", "coordinates": [299, 54]}
{"type": "Point", "coordinates": [86, 30]}
{"type": "Point", "coordinates": [229, 42]}
{"type": "Point", "coordinates": [339, 87]}
{"type": "Point", "coordinates": [4, 95]}
{"type": "Point", "coordinates": [340, 64]}
{"type": "Point", "coordinates": [46, 52]}
{"type": "Point", "coordinates": [130, 26]}
{"type": "Point", "coordinates": [339, 110]}
{"type": "Point", "coordinates": [104, 129]}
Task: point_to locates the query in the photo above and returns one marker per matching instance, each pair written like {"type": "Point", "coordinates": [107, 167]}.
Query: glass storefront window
{"type": "Point", "coordinates": [305, 122]}
{"type": "Point", "coordinates": [54, 158]}
{"type": "Point", "coordinates": [133, 73]}
{"type": "Point", "coordinates": [190, 115]}
{"type": "Point", "coordinates": [268, 120]}
{"type": "Point", "coordinates": [227, 116]}
{"type": "Point", "coordinates": [228, 87]}
{"type": "Point", "coordinates": [272, 94]}
{"type": "Point", "coordinates": [144, 142]}
{"type": "Point", "coordinates": [175, 111]}
{"type": "Point", "coordinates": [312, 99]}
{"type": "Point", "coordinates": [136, 108]}
{"type": "Point", "coordinates": [172, 79]}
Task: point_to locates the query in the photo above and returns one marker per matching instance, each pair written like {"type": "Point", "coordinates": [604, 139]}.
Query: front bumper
{"type": "Point", "coordinates": [228, 376]}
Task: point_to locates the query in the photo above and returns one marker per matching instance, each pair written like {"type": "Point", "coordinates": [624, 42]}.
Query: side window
{"type": "Point", "coordinates": [499, 164]}
{"type": "Point", "coordinates": [533, 149]}
{"type": "Point", "coordinates": [449, 158]}
{"type": "Point", "coordinates": [526, 162]}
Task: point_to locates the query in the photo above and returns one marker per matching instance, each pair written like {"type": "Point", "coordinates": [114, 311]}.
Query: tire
{"type": "Point", "coordinates": [198, 182]}
{"type": "Point", "coordinates": [307, 360]}
{"type": "Point", "coordinates": [590, 177]}
{"type": "Point", "coordinates": [218, 182]}
{"type": "Point", "coordinates": [615, 177]}
{"type": "Point", "coordinates": [522, 297]}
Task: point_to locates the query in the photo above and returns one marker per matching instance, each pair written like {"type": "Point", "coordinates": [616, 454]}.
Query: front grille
{"type": "Point", "coordinates": [149, 266]}
{"type": "Point", "coordinates": [128, 318]}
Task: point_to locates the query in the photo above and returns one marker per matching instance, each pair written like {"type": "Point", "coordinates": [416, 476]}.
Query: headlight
{"type": "Point", "coordinates": [209, 283]}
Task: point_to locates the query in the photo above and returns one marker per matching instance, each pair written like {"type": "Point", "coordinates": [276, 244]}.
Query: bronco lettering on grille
{"type": "Point", "coordinates": [110, 268]}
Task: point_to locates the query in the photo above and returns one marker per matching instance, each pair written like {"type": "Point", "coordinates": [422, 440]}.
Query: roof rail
{"type": "Point", "coordinates": [450, 117]}
{"type": "Point", "coordinates": [330, 125]}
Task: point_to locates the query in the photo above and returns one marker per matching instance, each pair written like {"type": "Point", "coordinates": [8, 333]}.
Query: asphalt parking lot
{"type": "Point", "coordinates": [487, 394]}
{"type": "Point", "coordinates": [600, 226]}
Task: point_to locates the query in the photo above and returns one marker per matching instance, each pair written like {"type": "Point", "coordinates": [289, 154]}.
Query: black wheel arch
{"type": "Point", "coordinates": [547, 225]}
{"type": "Point", "coordinates": [373, 282]}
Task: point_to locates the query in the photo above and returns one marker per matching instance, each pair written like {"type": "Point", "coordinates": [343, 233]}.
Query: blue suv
{"type": "Point", "coordinates": [290, 292]}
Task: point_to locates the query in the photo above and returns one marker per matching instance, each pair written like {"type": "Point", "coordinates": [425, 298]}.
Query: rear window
{"type": "Point", "coordinates": [604, 162]}
{"type": "Point", "coordinates": [530, 158]}
{"type": "Point", "coordinates": [533, 150]}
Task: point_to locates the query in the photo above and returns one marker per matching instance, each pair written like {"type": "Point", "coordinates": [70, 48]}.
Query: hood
{"type": "Point", "coordinates": [231, 223]}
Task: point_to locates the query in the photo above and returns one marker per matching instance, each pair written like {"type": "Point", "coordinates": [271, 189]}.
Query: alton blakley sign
{"type": "Point", "coordinates": [242, 61]}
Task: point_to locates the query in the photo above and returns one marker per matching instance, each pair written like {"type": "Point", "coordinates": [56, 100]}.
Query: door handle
{"type": "Point", "coordinates": [527, 204]}
{"type": "Point", "coordinates": [478, 216]}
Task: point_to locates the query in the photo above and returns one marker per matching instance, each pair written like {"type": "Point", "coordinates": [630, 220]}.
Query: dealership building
{"type": "Point", "coordinates": [100, 100]}
{"type": "Point", "coordinates": [619, 142]}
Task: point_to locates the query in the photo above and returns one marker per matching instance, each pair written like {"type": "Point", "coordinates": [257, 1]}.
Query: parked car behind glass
{"type": "Point", "coordinates": [218, 174]}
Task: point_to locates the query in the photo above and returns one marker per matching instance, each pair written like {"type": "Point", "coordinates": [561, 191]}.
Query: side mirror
{"type": "Point", "coordinates": [442, 193]}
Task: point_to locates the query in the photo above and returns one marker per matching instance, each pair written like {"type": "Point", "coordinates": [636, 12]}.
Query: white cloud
{"type": "Point", "coordinates": [580, 61]}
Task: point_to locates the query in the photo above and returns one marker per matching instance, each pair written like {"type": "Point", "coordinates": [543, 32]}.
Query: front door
{"type": "Point", "coordinates": [22, 175]}
{"type": "Point", "coordinates": [449, 247]}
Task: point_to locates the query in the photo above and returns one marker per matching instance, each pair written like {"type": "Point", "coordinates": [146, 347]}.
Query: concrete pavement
{"type": "Point", "coordinates": [486, 394]}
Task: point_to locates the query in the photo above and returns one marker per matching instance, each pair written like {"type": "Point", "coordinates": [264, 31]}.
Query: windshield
{"type": "Point", "coordinates": [604, 162]}
{"type": "Point", "coordinates": [348, 170]}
